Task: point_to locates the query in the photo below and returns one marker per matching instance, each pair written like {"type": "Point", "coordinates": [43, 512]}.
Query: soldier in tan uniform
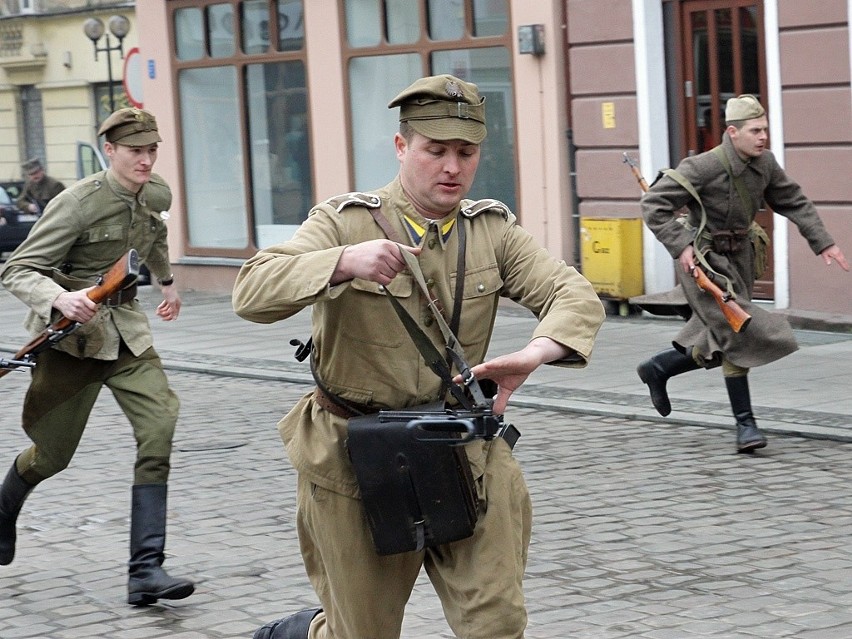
{"type": "Point", "coordinates": [39, 189]}
{"type": "Point", "coordinates": [732, 182]}
{"type": "Point", "coordinates": [82, 233]}
{"type": "Point", "coordinates": [338, 263]}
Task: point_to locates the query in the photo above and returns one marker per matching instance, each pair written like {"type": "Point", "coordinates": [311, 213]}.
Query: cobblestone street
{"type": "Point", "coordinates": [641, 529]}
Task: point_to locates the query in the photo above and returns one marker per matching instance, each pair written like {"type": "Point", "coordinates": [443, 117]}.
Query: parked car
{"type": "Point", "coordinates": [15, 224]}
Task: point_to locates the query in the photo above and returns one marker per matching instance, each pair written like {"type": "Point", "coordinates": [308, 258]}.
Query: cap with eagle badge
{"type": "Point", "coordinates": [131, 127]}
{"type": "Point", "coordinates": [443, 107]}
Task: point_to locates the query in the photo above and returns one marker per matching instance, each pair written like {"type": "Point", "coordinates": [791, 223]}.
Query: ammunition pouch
{"type": "Point", "coordinates": [414, 475]}
{"type": "Point", "coordinates": [729, 241]}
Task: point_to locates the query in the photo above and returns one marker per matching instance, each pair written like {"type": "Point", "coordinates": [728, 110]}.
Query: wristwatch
{"type": "Point", "coordinates": [167, 281]}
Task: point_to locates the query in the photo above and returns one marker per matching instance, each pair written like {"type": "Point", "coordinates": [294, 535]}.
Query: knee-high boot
{"type": "Point", "coordinates": [655, 372]}
{"type": "Point", "coordinates": [12, 495]}
{"type": "Point", "coordinates": [749, 436]}
{"type": "Point", "coordinates": [148, 582]}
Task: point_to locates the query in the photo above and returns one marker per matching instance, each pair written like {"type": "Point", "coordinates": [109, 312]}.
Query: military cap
{"type": "Point", "coordinates": [443, 107]}
{"type": "Point", "coordinates": [743, 107]}
{"type": "Point", "coordinates": [130, 127]}
{"type": "Point", "coordinates": [31, 165]}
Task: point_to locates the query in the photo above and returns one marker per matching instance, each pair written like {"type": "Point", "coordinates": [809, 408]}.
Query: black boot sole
{"type": "Point", "coordinates": [181, 591]}
{"type": "Point", "coordinates": [750, 447]}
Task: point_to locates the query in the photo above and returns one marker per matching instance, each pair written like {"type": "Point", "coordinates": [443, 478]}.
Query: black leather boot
{"type": "Point", "coordinates": [295, 626]}
{"type": "Point", "coordinates": [655, 372]}
{"type": "Point", "coordinates": [148, 582]}
{"type": "Point", "coordinates": [749, 437]}
{"type": "Point", "coordinates": [12, 495]}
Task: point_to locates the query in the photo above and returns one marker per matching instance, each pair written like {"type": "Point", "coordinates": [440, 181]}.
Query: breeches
{"type": "Point", "coordinates": [60, 398]}
{"type": "Point", "coordinates": [478, 580]}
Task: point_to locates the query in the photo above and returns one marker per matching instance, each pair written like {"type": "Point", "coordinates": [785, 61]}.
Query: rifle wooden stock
{"type": "Point", "coordinates": [733, 312]}
{"type": "Point", "coordinates": [736, 317]}
{"type": "Point", "coordinates": [121, 275]}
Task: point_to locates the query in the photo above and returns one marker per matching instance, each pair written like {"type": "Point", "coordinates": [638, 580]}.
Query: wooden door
{"type": "Point", "coordinates": [722, 56]}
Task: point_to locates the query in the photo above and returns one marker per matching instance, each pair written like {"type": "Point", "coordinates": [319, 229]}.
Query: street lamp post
{"type": "Point", "coordinates": [119, 26]}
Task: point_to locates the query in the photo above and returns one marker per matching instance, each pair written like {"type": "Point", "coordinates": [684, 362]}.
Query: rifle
{"type": "Point", "coordinates": [734, 314]}
{"type": "Point", "coordinates": [121, 275]}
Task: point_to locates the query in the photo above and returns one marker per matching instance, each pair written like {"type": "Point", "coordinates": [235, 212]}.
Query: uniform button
{"type": "Point", "coordinates": [381, 288]}
{"type": "Point", "coordinates": [481, 288]}
{"type": "Point", "coordinates": [432, 243]}
{"type": "Point", "coordinates": [428, 321]}
{"type": "Point", "coordinates": [430, 282]}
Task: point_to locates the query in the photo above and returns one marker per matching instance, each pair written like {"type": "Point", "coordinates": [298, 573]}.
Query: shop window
{"type": "Point", "coordinates": [490, 17]}
{"type": "Point", "coordinates": [291, 27]}
{"type": "Point", "coordinates": [244, 122]}
{"type": "Point", "coordinates": [280, 154]}
{"type": "Point", "coordinates": [189, 31]}
{"type": "Point", "coordinates": [489, 68]}
{"type": "Point", "coordinates": [446, 19]}
{"type": "Point", "coordinates": [213, 163]}
{"type": "Point", "coordinates": [373, 82]}
{"type": "Point", "coordinates": [375, 78]}
{"type": "Point", "coordinates": [220, 20]}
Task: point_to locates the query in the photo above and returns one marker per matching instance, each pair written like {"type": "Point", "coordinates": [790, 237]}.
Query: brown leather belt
{"type": "Point", "coordinates": [326, 403]}
{"type": "Point", "coordinates": [123, 296]}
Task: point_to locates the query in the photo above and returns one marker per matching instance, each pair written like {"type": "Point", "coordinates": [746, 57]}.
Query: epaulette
{"type": "Point", "coordinates": [88, 186]}
{"type": "Point", "coordinates": [471, 208]}
{"type": "Point", "coordinates": [340, 202]}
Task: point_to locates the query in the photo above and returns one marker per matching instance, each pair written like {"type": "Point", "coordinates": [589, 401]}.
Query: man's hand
{"type": "Point", "coordinates": [510, 371]}
{"type": "Point", "coordinates": [833, 252]}
{"type": "Point", "coordinates": [169, 308]}
{"type": "Point", "coordinates": [376, 261]}
{"type": "Point", "coordinates": [687, 259]}
{"type": "Point", "coordinates": [76, 305]}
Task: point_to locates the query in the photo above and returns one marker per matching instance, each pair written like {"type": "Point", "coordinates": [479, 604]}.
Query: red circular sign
{"type": "Point", "coordinates": [132, 79]}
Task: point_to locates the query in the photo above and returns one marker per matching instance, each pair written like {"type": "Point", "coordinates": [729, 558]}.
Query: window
{"type": "Point", "coordinates": [244, 122]}
{"type": "Point", "coordinates": [388, 48]}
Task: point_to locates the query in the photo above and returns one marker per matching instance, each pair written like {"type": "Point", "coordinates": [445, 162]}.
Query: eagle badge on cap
{"type": "Point", "coordinates": [453, 89]}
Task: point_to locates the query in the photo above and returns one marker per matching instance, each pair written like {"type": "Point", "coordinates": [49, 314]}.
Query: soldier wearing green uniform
{"type": "Point", "coordinates": [83, 231]}
{"type": "Point", "coordinates": [339, 262]}
{"type": "Point", "coordinates": [39, 189]}
{"type": "Point", "coordinates": [731, 182]}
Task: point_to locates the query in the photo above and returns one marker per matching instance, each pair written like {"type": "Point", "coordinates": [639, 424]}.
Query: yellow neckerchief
{"type": "Point", "coordinates": [418, 231]}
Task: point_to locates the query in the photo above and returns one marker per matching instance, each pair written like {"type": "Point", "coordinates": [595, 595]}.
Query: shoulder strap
{"type": "Point", "coordinates": [699, 234]}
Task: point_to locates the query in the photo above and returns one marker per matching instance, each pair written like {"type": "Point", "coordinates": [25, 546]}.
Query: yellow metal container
{"type": "Point", "coordinates": [611, 250]}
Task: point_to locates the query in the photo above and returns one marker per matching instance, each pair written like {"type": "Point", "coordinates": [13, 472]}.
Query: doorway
{"type": "Point", "coordinates": [721, 56]}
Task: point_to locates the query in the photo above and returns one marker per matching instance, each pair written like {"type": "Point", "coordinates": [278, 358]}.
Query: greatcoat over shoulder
{"type": "Point", "coordinates": [768, 336]}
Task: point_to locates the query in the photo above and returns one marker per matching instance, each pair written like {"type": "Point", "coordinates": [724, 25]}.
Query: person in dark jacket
{"type": "Point", "coordinates": [731, 182]}
{"type": "Point", "coordinates": [39, 188]}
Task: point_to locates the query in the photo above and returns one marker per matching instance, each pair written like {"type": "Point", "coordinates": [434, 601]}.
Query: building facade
{"type": "Point", "coordinates": [266, 106]}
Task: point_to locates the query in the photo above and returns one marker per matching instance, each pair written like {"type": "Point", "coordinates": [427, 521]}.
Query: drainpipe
{"type": "Point", "coordinates": [572, 148]}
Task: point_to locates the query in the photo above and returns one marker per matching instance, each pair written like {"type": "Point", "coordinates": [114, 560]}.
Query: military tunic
{"type": "Point", "coordinates": [768, 336]}
{"type": "Point", "coordinates": [82, 233]}
{"type": "Point", "coordinates": [364, 354]}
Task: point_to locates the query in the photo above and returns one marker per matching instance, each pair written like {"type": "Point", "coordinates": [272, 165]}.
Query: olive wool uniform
{"type": "Point", "coordinates": [768, 336]}
{"type": "Point", "coordinates": [364, 355]}
{"type": "Point", "coordinates": [83, 232]}
{"type": "Point", "coordinates": [722, 193]}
